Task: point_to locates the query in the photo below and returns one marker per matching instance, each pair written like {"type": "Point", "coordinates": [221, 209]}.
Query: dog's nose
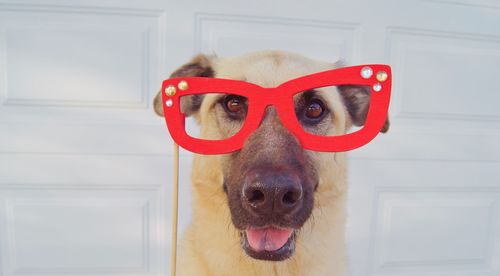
{"type": "Point", "coordinates": [268, 193]}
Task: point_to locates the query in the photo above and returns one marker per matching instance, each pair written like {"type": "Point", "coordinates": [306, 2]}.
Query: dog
{"type": "Point", "coordinates": [272, 207]}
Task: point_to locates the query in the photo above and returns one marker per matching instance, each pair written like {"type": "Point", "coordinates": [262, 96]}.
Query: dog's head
{"type": "Point", "coordinates": [271, 182]}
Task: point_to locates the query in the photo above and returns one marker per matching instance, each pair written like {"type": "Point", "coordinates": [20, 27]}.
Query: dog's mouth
{"type": "Point", "coordinates": [269, 243]}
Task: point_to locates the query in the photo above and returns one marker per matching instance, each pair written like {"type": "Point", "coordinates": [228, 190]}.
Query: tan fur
{"type": "Point", "coordinates": [211, 244]}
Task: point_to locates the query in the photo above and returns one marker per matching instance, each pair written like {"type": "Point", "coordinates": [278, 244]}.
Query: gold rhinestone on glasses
{"type": "Point", "coordinates": [382, 76]}
{"type": "Point", "coordinates": [170, 90]}
{"type": "Point", "coordinates": [183, 85]}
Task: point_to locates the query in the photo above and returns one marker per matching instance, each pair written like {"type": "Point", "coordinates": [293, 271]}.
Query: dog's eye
{"type": "Point", "coordinates": [234, 105]}
{"type": "Point", "coordinates": [310, 108]}
{"type": "Point", "coordinates": [314, 109]}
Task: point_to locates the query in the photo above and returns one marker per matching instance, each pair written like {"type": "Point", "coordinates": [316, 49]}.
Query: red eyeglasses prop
{"type": "Point", "coordinates": [375, 76]}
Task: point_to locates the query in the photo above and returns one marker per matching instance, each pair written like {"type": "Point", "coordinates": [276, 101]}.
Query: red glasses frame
{"type": "Point", "coordinates": [377, 76]}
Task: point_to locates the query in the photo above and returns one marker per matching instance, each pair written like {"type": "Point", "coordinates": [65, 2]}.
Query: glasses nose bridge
{"type": "Point", "coordinates": [273, 97]}
{"type": "Point", "coordinates": [272, 105]}
{"type": "Point", "coordinates": [280, 101]}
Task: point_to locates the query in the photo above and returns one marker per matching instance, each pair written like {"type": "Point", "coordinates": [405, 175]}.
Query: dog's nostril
{"type": "Point", "coordinates": [290, 198]}
{"type": "Point", "coordinates": [256, 196]}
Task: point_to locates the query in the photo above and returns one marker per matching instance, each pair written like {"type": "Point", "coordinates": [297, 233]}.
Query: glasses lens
{"type": "Point", "coordinates": [214, 116]}
{"type": "Point", "coordinates": [332, 110]}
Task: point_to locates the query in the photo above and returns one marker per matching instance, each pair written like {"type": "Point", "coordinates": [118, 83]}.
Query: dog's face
{"type": "Point", "coordinates": [271, 182]}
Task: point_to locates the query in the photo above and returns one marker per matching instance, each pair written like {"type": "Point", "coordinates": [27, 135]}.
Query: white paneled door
{"type": "Point", "coordinates": [85, 164]}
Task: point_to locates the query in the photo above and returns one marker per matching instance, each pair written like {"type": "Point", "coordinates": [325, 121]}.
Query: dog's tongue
{"type": "Point", "coordinates": [267, 239]}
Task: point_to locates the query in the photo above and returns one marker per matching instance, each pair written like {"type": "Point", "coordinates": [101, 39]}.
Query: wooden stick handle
{"type": "Point", "coordinates": [175, 212]}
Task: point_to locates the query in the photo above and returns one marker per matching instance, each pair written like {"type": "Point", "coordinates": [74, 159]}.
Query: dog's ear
{"type": "Point", "coordinates": [199, 66]}
{"type": "Point", "coordinates": [357, 101]}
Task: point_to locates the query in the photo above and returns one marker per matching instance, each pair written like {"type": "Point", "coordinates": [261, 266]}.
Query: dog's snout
{"type": "Point", "coordinates": [272, 193]}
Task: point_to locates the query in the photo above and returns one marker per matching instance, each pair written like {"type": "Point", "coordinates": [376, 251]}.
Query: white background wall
{"type": "Point", "coordinates": [85, 164]}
